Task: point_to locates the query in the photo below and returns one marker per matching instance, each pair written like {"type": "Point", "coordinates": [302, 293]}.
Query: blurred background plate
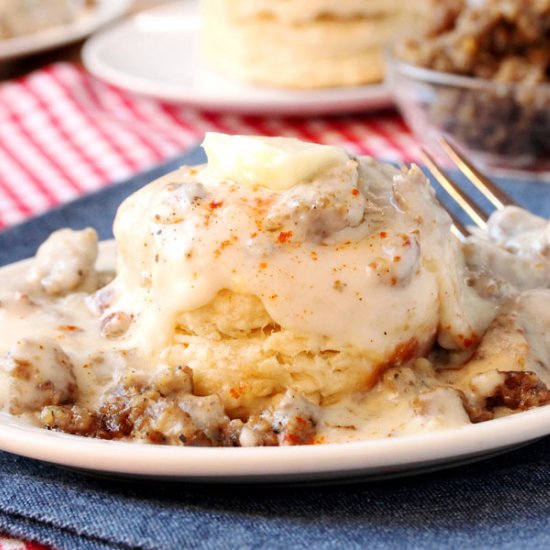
{"type": "Point", "coordinates": [156, 53]}
{"type": "Point", "coordinates": [95, 17]}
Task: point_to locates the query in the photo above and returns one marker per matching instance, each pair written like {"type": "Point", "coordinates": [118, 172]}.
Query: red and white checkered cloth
{"type": "Point", "coordinates": [64, 133]}
{"type": "Point", "coordinates": [12, 544]}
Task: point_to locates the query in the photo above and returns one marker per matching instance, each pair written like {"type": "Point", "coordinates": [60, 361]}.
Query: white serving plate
{"type": "Point", "coordinates": [156, 53]}
{"type": "Point", "coordinates": [372, 459]}
{"type": "Point", "coordinates": [104, 12]}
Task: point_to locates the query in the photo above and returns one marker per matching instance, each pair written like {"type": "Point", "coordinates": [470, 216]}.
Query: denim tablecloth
{"type": "Point", "coordinates": [501, 503]}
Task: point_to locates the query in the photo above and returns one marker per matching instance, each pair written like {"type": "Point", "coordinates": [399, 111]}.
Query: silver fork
{"type": "Point", "coordinates": [498, 198]}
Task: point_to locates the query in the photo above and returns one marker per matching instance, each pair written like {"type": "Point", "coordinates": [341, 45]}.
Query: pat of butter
{"type": "Point", "coordinates": [272, 162]}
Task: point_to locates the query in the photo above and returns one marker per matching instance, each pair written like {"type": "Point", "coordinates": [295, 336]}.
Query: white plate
{"type": "Point", "coordinates": [369, 459]}
{"type": "Point", "coordinates": [95, 17]}
{"type": "Point", "coordinates": [155, 53]}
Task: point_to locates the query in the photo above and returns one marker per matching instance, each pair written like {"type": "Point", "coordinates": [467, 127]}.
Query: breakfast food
{"type": "Point", "coordinates": [20, 17]}
{"type": "Point", "coordinates": [303, 43]}
{"type": "Point", "coordinates": [502, 41]}
{"type": "Point", "coordinates": [286, 293]}
{"type": "Point", "coordinates": [508, 45]}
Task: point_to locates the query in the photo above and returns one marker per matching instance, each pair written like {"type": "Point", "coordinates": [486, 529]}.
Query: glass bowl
{"type": "Point", "coordinates": [505, 126]}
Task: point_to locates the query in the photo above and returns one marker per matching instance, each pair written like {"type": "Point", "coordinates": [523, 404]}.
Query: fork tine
{"type": "Point", "coordinates": [496, 196]}
{"type": "Point", "coordinates": [458, 228]}
{"type": "Point", "coordinates": [478, 216]}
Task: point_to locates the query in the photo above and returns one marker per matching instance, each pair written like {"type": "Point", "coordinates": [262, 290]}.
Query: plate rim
{"type": "Point", "coordinates": [400, 455]}
{"type": "Point", "coordinates": [370, 458]}
{"type": "Point", "coordinates": [59, 35]}
{"type": "Point", "coordinates": [291, 102]}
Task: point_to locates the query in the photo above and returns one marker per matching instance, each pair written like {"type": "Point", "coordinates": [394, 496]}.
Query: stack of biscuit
{"type": "Point", "coordinates": [304, 43]}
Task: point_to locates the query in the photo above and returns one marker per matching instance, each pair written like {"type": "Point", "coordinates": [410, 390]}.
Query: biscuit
{"type": "Point", "coordinates": [301, 44]}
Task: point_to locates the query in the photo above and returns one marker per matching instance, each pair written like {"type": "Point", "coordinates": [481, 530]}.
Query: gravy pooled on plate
{"type": "Point", "coordinates": [286, 293]}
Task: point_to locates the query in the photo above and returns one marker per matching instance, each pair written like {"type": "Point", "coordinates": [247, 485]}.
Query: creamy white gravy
{"type": "Point", "coordinates": [357, 263]}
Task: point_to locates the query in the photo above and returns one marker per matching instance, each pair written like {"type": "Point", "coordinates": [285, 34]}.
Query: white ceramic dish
{"type": "Point", "coordinates": [365, 460]}
{"type": "Point", "coordinates": [156, 53]}
{"type": "Point", "coordinates": [104, 12]}
{"type": "Point", "coordinates": [369, 459]}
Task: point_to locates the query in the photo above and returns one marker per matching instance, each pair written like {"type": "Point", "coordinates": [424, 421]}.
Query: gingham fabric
{"type": "Point", "coordinates": [12, 544]}
{"type": "Point", "coordinates": [64, 133]}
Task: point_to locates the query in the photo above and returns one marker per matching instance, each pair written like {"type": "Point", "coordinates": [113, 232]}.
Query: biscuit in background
{"type": "Point", "coordinates": [304, 43]}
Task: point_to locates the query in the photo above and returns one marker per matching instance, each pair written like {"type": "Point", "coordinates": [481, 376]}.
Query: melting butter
{"type": "Point", "coordinates": [272, 162]}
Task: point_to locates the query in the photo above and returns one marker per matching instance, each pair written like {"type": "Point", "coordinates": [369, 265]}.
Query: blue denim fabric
{"type": "Point", "coordinates": [500, 503]}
